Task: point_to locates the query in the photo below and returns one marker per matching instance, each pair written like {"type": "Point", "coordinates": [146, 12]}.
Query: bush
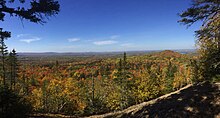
{"type": "Point", "coordinates": [13, 105]}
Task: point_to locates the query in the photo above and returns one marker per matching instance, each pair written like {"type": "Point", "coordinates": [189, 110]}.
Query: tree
{"type": "Point", "coordinates": [3, 53]}
{"type": "Point", "coordinates": [13, 105]}
{"type": "Point", "coordinates": [122, 78]}
{"type": "Point", "coordinates": [208, 11]}
{"type": "Point", "coordinates": [36, 13]}
{"type": "Point", "coordinates": [13, 67]}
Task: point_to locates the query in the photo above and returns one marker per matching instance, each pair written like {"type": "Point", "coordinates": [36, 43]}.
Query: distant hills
{"type": "Point", "coordinates": [168, 53]}
{"type": "Point", "coordinates": [182, 51]}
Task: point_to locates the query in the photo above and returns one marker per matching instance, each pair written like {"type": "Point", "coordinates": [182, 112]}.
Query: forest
{"type": "Point", "coordinates": [84, 85]}
{"type": "Point", "coordinates": [92, 85]}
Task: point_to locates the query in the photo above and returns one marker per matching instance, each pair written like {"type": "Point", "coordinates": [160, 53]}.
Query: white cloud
{"type": "Point", "coordinates": [105, 42]}
{"type": "Point", "coordinates": [127, 45]}
{"type": "Point", "coordinates": [114, 36]}
{"type": "Point", "coordinates": [29, 40]}
{"type": "Point", "coordinates": [22, 35]}
{"type": "Point", "coordinates": [73, 39]}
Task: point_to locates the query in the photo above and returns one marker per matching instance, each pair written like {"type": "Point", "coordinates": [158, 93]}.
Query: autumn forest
{"type": "Point", "coordinates": [86, 84]}
{"type": "Point", "coordinates": [94, 85]}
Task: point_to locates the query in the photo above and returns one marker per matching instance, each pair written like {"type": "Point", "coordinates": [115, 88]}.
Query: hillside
{"type": "Point", "coordinates": [168, 53]}
{"type": "Point", "coordinates": [201, 100]}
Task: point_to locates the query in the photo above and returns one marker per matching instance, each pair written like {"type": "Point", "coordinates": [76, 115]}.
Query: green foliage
{"type": "Point", "coordinates": [12, 63]}
{"type": "Point", "coordinates": [35, 13]}
{"type": "Point", "coordinates": [203, 10]}
{"type": "Point", "coordinates": [208, 36]}
{"type": "Point", "coordinates": [13, 105]}
{"type": "Point", "coordinates": [3, 53]}
{"type": "Point", "coordinates": [96, 106]}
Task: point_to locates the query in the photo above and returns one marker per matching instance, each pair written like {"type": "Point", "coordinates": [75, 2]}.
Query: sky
{"type": "Point", "coordinates": [105, 25]}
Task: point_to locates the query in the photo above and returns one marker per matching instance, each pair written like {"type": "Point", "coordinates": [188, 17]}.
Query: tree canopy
{"type": "Point", "coordinates": [207, 11]}
{"type": "Point", "coordinates": [200, 10]}
{"type": "Point", "coordinates": [38, 10]}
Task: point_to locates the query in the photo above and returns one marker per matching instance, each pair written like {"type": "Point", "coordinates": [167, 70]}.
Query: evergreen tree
{"type": "Point", "coordinates": [13, 67]}
{"type": "Point", "coordinates": [208, 11]}
{"type": "Point", "coordinates": [38, 10]}
{"type": "Point", "coordinates": [3, 53]}
{"type": "Point", "coordinates": [122, 75]}
{"type": "Point", "coordinates": [125, 60]}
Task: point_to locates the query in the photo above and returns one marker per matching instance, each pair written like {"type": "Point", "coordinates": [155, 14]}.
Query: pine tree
{"type": "Point", "coordinates": [125, 60]}
{"type": "Point", "coordinates": [36, 12]}
{"type": "Point", "coordinates": [13, 67]}
{"type": "Point", "coordinates": [3, 53]}
{"type": "Point", "coordinates": [122, 81]}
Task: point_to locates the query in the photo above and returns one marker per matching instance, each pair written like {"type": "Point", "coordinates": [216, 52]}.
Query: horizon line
{"type": "Point", "coordinates": [110, 51]}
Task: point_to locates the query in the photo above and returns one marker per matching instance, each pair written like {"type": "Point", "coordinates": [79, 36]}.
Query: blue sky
{"type": "Point", "coordinates": [105, 25]}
